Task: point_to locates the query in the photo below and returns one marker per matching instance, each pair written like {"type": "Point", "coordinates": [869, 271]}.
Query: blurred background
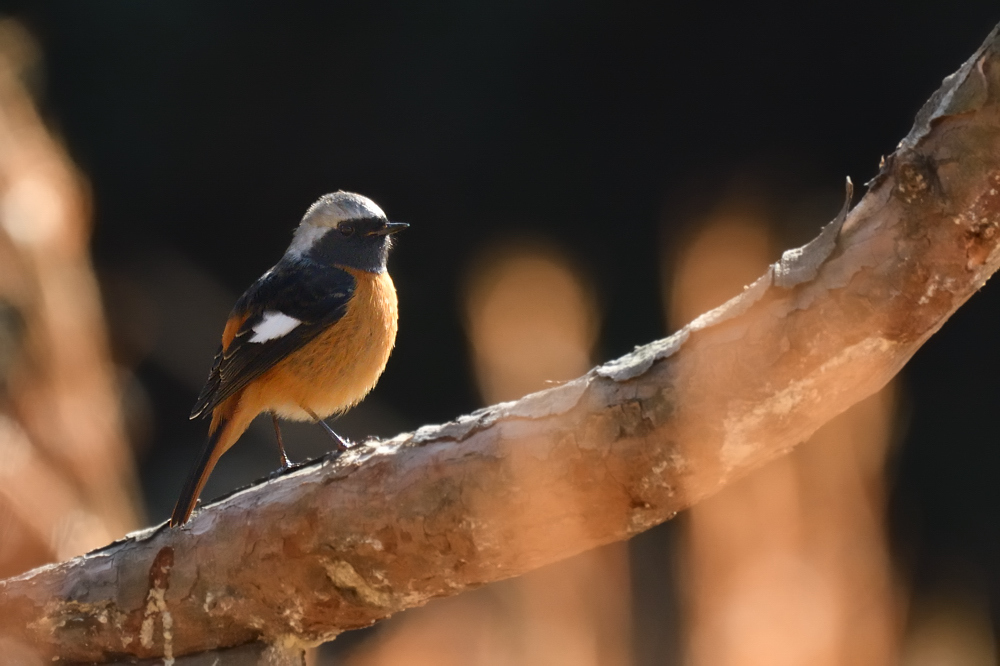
{"type": "Point", "coordinates": [581, 177]}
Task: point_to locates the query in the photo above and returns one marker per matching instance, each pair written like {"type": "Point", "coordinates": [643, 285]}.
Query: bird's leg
{"type": "Point", "coordinates": [285, 464]}
{"type": "Point", "coordinates": [341, 443]}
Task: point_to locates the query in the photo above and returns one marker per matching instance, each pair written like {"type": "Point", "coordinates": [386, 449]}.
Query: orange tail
{"type": "Point", "coordinates": [221, 435]}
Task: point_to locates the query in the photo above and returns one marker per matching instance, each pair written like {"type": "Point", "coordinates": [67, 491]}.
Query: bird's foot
{"type": "Point", "coordinates": [285, 468]}
{"type": "Point", "coordinates": [341, 443]}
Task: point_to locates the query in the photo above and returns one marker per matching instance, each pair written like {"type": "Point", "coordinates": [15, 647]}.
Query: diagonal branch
{"type": "Point", "coordinates": [344, 542]}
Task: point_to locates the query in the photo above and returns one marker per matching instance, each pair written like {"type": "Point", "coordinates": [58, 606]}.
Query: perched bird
{"type": "Point", "coordinates": [308, 339]}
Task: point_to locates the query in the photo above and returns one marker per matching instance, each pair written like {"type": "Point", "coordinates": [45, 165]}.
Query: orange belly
{"type": "Point", "coordinates": [336, 370]}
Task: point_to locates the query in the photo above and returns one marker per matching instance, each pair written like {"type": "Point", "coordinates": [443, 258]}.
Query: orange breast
{"type": "Point", "coordinates": [337, 369]}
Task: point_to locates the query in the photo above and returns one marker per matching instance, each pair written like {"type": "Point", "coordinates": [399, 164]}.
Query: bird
{"type": "Point", "coordinates": [309, 339]}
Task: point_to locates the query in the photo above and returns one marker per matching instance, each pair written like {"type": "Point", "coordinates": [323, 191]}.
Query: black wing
{"type": "Point", "coordinates": [314, 294]}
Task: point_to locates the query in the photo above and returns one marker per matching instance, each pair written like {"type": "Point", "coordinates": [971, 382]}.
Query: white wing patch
{"type": "Point", "coordinates": [274, 325]}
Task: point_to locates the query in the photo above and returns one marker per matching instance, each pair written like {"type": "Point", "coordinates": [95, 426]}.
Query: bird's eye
{"type": "Point", "coordinates": [346, 229]}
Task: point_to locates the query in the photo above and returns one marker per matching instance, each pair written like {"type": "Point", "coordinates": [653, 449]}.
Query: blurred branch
{"type": "Point", "coordinates": [341, 543]}
{"type": "Point", "coordinates": [67, 483]}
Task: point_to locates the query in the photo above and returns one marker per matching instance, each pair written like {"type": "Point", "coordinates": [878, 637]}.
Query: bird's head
{"type": "Point", "coordinates": [345, 229]}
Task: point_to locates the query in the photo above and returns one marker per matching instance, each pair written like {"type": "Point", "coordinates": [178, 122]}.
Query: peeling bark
{"type": "Point", "coordinates": [343, 542]}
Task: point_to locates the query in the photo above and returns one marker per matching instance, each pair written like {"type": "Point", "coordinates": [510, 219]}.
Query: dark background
{"type": "Point", "coordinates": [205, 130]}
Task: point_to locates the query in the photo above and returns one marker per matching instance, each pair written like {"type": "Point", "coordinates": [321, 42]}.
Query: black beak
{"type": "Point", "coordinates": [389, 228]}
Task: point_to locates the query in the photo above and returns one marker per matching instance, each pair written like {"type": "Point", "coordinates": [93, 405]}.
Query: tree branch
{"type": "Point", "coordinates": [346, 541]}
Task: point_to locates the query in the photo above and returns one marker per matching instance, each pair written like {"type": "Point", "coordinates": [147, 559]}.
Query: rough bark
{"type": "Point", "coordinates": [343, 542]}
